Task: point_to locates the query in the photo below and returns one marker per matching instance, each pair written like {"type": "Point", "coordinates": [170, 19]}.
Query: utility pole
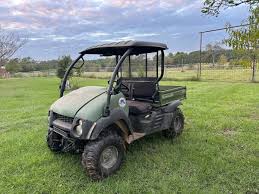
{"type": "Point", "coordinates": [199, 68]}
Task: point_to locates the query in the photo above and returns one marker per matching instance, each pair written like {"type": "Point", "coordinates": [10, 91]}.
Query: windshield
{"type": "Point", "coordinates": [90, 72]}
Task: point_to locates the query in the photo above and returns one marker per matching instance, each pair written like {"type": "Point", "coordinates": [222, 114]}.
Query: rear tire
{"type": "Point", "coordinates": [177, 125]}
{"type": "Point", "coordinates": [104, 156]}
{"type": "Point", "coordinates": [54, 141]}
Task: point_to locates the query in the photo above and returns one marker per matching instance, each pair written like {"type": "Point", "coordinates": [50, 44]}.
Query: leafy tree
{"type": "Point", "coordinates": [244, 62]}
{"type": "Point", "coordinates": [169, 59]}
{"type": "Point", "coordinates": [13, 66]}
{"type": "Point", "coordinates": [247, 39]}
{"type": "Point", "coordinates": [222, 60]}
{"type": "Point", "coordinates": [171, 55]}
{"type": "Point", "coordinates": [27, 64]}
{"type": "Point", "coordinates": [213, 51]}
{"type": "Point", "coordinates": [79, 72]}
{"type": "Point", "coordinates": [180, 58]}
{"type": "Point", "coordinates": [194, 57]}
{"type": "Point", "coordinates": [213, 7]}
{"type": "Point", "coordinates": [63, 64]}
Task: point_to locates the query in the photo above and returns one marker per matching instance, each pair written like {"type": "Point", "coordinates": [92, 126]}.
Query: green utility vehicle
{"type": "Point", "coordinates": [100, 122]}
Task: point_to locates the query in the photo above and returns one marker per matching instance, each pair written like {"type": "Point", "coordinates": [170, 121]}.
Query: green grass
{"type": "Point", "coordinates": [234, 75]}
{"type": "Point", "coordinates": [217, 153]}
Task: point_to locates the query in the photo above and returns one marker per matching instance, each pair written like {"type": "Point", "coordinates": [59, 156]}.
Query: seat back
{"type": "Point", "coordinates": [143, 88]}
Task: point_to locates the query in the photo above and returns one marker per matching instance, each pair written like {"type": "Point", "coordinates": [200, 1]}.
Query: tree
{"type": "Point", "coordinates": [9, 44]}
{"type": "Point", "coordinates": [63, 64]}
{"type": "Point", "coordinates": [247, 39]}
{"type": "Point", "coordinates": [169, 60]}
{"type": "Point", "coordinates": [13, 66]}
{"type": "Point", "coordinates": [222, 60]}
{"type": "Point", "coordinates": [27, 64]}
{"type": "Point", "coordinates": [213, 7]}
{"type": "Point", "coordinates": [213, 51]}
{"type": "Point", "coordinates": [79, 72]}
{"type": "Point", "coordinates": [180, 58]}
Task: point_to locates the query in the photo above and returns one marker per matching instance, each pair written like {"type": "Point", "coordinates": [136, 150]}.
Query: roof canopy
{"type": "Point", "coordinates": [119, 48]}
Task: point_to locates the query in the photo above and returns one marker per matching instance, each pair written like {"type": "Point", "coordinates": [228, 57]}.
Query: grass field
{"type": "Point", "coordinates": [235, 74]}
{"type": "Point", "coordinates": [217, 153]}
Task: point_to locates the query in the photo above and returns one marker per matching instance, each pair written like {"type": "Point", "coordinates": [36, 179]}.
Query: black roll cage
{"type": "Point", "coordinates": [119, 62]}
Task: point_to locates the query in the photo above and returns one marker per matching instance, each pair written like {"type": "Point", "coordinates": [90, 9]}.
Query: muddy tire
{"type": "Point", "coordinates": [177, 125]}
{"type": "Point", "coordinates": [104, 156]}
{"type": "Point", "coordinates": [54, 141]}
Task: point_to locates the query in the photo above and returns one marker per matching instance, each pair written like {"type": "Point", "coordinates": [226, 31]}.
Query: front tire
{"type": "Point", "coordinates": [177, 125]}
{"type": "Point", "coordinates": [104, 156]}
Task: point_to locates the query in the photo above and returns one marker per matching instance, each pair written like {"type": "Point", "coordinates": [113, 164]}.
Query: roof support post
{"type": "Point", "coordinates": [146, 64]}
{"type": "Point", "coordinates": [157, 64]}
{"type": "Point", "coordinates": [116, 61]}
{"type": "Point", "coordinates": [162, 66]}
{"type": "Point", "coordinates": [109, 91]}
{"type": "Point", "coordinates": [129, 67]}
{"type": "Point", "coordinates": [120, 67]}
{"type": "Point", "coordinates": [64, 80]}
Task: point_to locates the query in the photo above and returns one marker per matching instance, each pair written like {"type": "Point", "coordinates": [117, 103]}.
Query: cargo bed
{"type": "Point", "coordinates": [168, 94]}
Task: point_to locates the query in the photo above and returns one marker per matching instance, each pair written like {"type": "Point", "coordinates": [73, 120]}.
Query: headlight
{"type": "Point", "coordinates": [79, 128]}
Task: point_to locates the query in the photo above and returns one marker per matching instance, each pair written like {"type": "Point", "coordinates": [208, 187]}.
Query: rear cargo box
{"type": "Point", "coordinates": [168, 94]}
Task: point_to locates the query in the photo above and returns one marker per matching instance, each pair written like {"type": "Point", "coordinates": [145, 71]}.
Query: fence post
{"type": "Point", "coordinates": [199, 67]}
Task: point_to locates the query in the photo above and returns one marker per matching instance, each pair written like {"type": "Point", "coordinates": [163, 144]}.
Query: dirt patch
{"type": "Point", "coordinates": [229, 131]}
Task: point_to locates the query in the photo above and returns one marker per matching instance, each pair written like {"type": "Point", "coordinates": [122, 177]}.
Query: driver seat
{"type": "Point", "coordinates": [138, 107]}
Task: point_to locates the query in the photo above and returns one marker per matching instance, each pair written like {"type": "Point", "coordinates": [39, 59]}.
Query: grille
{"type": "Point", "coordinates": [62, 132]}
{"type": "Point", "coordinates": [63, 118]}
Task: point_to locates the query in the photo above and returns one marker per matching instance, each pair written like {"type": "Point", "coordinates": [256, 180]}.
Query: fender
{"type": "Point", "coordinates": [114, 116]}
{"type": "Point", "coordinates": [172, 106]}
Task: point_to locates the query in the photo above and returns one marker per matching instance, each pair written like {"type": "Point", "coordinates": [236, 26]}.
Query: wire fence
{"type": "Point", "coordinates": [189, 72]}
{"type": "Point", "coordinates": [222, 63]}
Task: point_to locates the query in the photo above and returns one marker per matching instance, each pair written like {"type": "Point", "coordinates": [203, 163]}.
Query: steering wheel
{"type": "Point", "coordinates": [121, 86]}
{"type": "Point", "coordinates": [125, 86]}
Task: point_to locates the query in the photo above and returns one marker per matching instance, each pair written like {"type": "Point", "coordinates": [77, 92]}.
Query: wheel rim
{"type": "Point", "coordinates": [177, 124]}
{"type": "Point", "coordinates": [109, 157]}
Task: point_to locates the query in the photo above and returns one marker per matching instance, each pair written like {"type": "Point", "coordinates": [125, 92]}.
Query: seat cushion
{"type": "Point", "coordinates": [138, 107]}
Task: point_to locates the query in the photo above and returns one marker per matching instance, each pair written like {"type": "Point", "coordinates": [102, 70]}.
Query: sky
{"type": "Point", "coordinates": [54, 28]}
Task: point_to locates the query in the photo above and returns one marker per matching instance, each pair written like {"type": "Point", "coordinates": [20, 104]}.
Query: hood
{"type": "Point", "coordinates": [72, 102]}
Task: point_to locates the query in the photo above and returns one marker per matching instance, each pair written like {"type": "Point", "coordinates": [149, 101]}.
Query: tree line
{"type": "Point", "coordinates": [28, 64]}
{"type": "Point", "coordinates": [213, 54]}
